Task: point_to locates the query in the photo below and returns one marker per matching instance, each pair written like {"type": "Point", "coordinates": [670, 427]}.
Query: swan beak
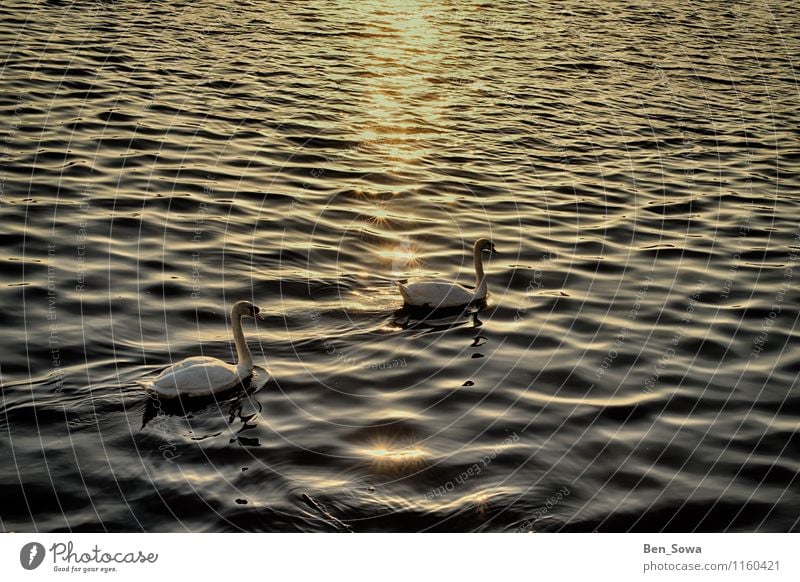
{"type": "Point", "coordinates": [260, 317]}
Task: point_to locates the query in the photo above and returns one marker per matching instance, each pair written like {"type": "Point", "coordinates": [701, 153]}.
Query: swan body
{"type": "Point", "coordinates": [204, 376]}
{"type": "Point", "coordinates": [440, 294]}
{"type": "Point", "coordinates": [444, 294]}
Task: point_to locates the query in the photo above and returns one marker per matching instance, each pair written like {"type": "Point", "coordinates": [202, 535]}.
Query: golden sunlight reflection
{"type": "Point", "coordinates": [481, 503]}
{"type": "Point", "coordinates": [383, 458]}
{"type": "Point", "coordinates": [625, 400]}
{"type": "Point", "coordinates": [403, 257]}
{"type": "Point", "coordinates": [379, 216]}
{"type": "Point", "coordinates": [381, 454]}
{"type": "Point", "coordinates": [403, 108]}
{"type": "Point", "coordinates": [386, 454]}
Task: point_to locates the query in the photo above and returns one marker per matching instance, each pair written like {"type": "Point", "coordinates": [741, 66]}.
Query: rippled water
{"type": "Point", "coordinates": [636, 164]}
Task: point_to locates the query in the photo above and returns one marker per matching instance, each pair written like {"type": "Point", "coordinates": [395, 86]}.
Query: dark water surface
{"type": "Point", "coordinates": [636, 163]}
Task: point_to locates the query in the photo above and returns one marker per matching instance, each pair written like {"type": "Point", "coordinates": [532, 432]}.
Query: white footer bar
{"type": "Point", "coordinates": [399, 557]}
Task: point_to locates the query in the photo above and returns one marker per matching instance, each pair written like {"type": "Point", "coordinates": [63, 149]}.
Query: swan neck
{"type": "Point", "coordinates": [244, 359]}
{"type": "Point", "coordinates": [480, 277]}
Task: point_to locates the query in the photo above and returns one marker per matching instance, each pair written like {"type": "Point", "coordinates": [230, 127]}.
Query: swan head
{"type": "Point", "coordinates": [484, 244]}
{"type": "Point", "coordinates": [242, 308]}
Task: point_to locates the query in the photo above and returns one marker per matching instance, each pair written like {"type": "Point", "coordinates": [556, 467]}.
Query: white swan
{"type": "Point", "coordinates": [442, 294]}
{"type": "Point", "coordinates": [203, 376]}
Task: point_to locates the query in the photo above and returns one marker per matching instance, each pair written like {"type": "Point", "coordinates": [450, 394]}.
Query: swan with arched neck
{"type": "Point", "coordinates": [204, 376]}
{"type": "Point", "coordinates": [445, 294]}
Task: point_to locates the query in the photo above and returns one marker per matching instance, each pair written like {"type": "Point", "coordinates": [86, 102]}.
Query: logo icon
{"type": "Point", "coordinates": [31, 555]}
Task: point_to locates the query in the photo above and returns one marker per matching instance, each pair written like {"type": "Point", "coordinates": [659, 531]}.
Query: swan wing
{"type": "Point", "coordinates": [436, 294]}
{"type": "Point", "coordinates": [198, 376]}
{"type": "Point", "coordinates": [195, 361]}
